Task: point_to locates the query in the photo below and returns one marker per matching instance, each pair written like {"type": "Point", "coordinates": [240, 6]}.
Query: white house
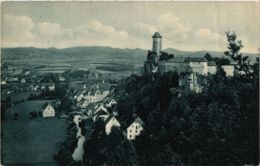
{"type": "Point", "coordinates": [62, 79]}
{"type": "Point", "coordinates": [48, 110]}
{"type": "Point", "coordinates": [111, 122]}
{"type": "Point", "coordinates": [23, 80]}
{"type": "Point", "coordinates": [135, 129]}
{"type": "Point", "coordinates": [52, 87]}
{"type": "Point", "coordinates": [3, 82]}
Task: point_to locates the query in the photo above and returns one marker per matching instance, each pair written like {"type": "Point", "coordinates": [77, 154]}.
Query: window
{"type": "Point", "coordinates": [130, 131]}
{"type": "Point", "coordinates": [135, 131]}
{"type": "Point", "coordinates": [136, 127]}
{"type": "Point", "coordinates": [130, 136]}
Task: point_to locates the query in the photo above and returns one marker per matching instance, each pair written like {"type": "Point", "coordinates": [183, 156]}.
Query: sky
{"type": "Point", "coordinates": [187, 26]}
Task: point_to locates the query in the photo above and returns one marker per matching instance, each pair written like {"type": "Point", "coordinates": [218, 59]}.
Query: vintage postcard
{"type": "Point", "coordinates": [130, 83]}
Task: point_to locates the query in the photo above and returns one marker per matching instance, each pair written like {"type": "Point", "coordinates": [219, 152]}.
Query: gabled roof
{"type": "Point", "coordinates": [157, 35]}
{"type": "Point", "coordinates": [212, 63]}
{"type": "Point", "coordinates": [44, 106]}
{"type": "Point", "coordinates": [137, 120]}
{"type": "Point", "coordinates": [109, 118]}
{"type": "Point", "coordinates": [195, 59]}
{"type": "Point", "coordinates": [101, 107]}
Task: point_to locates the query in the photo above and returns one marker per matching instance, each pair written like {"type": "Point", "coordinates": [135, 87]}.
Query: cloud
{"type": "Point", "coordinates": [17, 29]}
{"type": "Point", "coordinates": [169, 26]}
{"type": "Point", "coordinates": [145, 30]}
{"type": "Point", "coordinates": [22, 31]}
{"type": "Point", "coordinates": [171, 23]}
{"type": "Point", "coordinates": [47, 30]}
{"type": "Point", "coordinates": [96, 30]}
{"type": "Point", "coordinates": [177, 34]}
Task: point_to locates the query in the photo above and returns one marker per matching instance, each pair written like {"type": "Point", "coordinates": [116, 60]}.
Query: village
{"type": "Point", "coordinates": [33, 104]}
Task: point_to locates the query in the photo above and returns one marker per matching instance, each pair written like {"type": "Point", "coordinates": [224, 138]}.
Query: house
{"type": "Point", "coordinates": [62, 79]}
{"type": "Point", "coordinates": [212, 67]}
{"type": "Point", "coordinates": [111, 122]}
{"type": "Point", "coordinates": [50, 86]}
{"type": "Point", "coordinates": [15, 79]}
{"type": "Point", "coordinates": [100, 113]}
{"type": "Point", "coordinates": [23, 80]}
{"type": "Point", "coordinates": [96, 93]}
{"type": "Point", "coordinates": [3, 82]}
{"type": "Point", "coordinates": [27, 73]}
{"type": "Point", "coordinates": [135, 129]}
{"type": "Point", "coordinates": [48, 110]}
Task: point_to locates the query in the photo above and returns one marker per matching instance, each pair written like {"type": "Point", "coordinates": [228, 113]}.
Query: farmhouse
{"type": "Point", "coordinates": [135, 129]}
{"type": "Point", "coordinates": [48, 110]}
{"type": "Point", "coordinates": [111, 122]}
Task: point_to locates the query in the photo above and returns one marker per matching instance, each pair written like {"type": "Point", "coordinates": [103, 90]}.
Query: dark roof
{"type": "Point", "coordinates": [46, 104]}
{"type": "Point", "coordinates": [195, 59]}
{"type": "Point", "coordinates": [109, 118]}
{"type": "Point", "coordinates": [139, 121]}
{"type": "Point", "coordinates": [157, 35]}
{"type": "Point", "coordinates": [176, 60]}
{"type": "Point", "coordinates": [104, 86]}
{"type": "Point", "coordinates": [212, 63]}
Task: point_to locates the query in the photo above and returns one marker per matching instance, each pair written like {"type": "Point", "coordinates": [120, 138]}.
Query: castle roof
{"type": "Point", "coordinates": [212, 63]}
{"type": "Point", "coordinates": [157, 35]}
{"type": "Point", "coordinates": [195, 59]}
{"type": "Point", "coordinates": [176, 60]}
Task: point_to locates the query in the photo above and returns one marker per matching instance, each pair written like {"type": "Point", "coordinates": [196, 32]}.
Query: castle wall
{"type": "Point", "coordinates": [199, 67]}
{"type": "Point", "coordinates": [229, 69]}
{"type": "Point", "coordinates": [212, 69]}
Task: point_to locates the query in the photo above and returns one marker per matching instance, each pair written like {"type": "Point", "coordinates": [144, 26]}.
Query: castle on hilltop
{"type": "Point", "coordinates": [191, 70]}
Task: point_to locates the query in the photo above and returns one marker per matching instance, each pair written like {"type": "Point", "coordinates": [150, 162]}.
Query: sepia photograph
{"type": "Point", "coordinates": [130, 83]}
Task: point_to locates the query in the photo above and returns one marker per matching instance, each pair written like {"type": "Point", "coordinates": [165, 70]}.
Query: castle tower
{"type": "Point", "coordinates": [157, 43]}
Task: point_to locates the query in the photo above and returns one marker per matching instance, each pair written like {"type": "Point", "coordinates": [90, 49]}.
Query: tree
{"type": "Point", "coordinates": [33, 114]}
{"type": "Point", "coordinates": [234, 46]}
{"type": "Point", "coordinates": [16, 116]}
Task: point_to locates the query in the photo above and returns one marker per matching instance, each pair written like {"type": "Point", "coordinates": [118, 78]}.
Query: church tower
{"type": "Point", "coordinates": [157, 43]}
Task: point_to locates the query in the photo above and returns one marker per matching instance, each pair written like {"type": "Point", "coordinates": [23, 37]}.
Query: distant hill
{"type": "Point", "coordinates": [202, 53]}
{"type": "Point", "coordinates": [94, 52]}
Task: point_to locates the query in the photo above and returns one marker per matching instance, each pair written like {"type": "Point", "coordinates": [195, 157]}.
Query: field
{"type": "Point", "coordinates": [31, 141]}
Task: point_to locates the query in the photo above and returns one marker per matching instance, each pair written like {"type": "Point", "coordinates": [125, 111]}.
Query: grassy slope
{"type": "Point", "coordinates": [29, 140]}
